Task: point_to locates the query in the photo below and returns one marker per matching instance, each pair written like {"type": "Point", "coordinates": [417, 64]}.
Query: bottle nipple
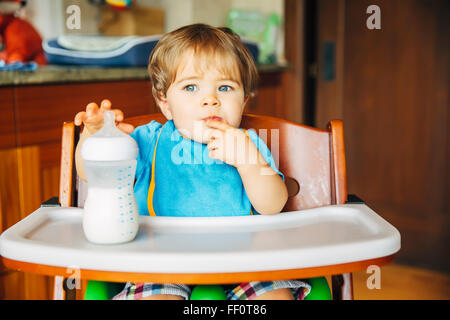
{"type": "Point", "coordinates": [108, 118]}
{"type": "Point", "coordinates": [109, 125]}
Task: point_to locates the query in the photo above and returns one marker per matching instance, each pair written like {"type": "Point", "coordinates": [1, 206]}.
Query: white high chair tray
{"type": "Point", "coordinates": [299, 239]}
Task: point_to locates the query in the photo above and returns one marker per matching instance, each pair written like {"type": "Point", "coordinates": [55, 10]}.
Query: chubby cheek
{"type": "Point", "coordinates": [235, 115]}
{"type": "Point", "coordinates": [180, 109]}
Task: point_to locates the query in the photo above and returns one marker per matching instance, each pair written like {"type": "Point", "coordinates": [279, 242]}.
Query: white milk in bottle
{"type": "Point", "coordinates": [110, 211]}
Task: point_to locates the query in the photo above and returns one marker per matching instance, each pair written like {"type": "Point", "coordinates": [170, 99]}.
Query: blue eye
{"type": "Point", "coordinates": [225, 88]}
{"type": "Point", "coordinates": [190, 88]}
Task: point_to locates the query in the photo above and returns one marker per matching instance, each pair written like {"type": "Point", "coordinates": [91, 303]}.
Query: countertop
{"type": "Point", "coordinates": [66, 74]}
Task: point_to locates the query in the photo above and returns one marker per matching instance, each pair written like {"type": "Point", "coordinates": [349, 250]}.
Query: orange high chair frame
{"type": "Point", "coordinates": [313, 162]}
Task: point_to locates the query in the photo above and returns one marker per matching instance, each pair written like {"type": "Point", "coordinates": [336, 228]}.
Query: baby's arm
{"type": "Point", "coordinates": [265, 189]}
{"type": "Point", "coordinates": [92, 119]}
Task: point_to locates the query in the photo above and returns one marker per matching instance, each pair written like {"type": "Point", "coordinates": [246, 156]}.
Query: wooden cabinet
{"type": "Point", "coordinates": [391, 91]}
{"type": "Point", "coordinates": [7, 123]}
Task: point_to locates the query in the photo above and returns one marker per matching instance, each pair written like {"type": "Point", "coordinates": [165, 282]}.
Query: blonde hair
{"type": "Point", "coordinates": [206, 43]}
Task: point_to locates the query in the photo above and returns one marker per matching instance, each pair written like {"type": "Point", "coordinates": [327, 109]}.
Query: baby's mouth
{"type": "Point", "coordinates": [212, 118]}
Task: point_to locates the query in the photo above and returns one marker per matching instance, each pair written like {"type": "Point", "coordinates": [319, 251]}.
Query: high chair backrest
{"type": "Point", "coordinates": [312, 160]}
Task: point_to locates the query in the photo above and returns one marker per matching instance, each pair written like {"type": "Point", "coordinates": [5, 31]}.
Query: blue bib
{"type": "Point", "coordinates": [178, 178]}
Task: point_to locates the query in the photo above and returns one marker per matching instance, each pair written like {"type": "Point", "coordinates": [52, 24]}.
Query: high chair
{"type": "Point", "coordinates": [313, 162]}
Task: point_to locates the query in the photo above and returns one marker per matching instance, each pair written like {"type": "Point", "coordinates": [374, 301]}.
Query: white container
{"type": "Point", "coordinates": [110, 209]}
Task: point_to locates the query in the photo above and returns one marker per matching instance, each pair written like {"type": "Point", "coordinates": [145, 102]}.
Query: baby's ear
{"type": "Point", "coordinates": [160, 96]}
{"type": "Point", "coordinates": [161, 100]}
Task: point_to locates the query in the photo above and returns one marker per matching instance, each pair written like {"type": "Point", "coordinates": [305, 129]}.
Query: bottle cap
{"type": "Point", "coordinates": [109, 143]}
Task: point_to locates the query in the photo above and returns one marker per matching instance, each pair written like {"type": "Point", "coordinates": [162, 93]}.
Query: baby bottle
{"type": "Point", "coordinates": [110, 211]}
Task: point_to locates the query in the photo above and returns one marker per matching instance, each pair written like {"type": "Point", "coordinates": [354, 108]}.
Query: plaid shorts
{"type": "Point", "coordinates": [243, 291]}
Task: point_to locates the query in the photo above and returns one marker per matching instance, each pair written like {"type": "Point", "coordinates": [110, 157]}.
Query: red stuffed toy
{"type": "Point", "coordinates": [21, 41]}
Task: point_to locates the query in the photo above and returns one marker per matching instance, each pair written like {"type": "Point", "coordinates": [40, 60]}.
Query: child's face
{"type": "Point", "coordinates": [197, 94]}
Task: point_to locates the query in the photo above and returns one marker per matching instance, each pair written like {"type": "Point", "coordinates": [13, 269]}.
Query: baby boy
{"type": "Point", "coordinates": [200, 163]}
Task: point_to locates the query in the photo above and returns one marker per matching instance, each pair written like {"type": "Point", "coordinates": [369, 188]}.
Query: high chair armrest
{"type": "Point", "coordinates": [353, 199]}
{"type": "Point", "coordinates": [52, 202]}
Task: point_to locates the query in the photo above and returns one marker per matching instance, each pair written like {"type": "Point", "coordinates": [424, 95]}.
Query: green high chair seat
{"type": "Point", "coordinates": [100, 290]}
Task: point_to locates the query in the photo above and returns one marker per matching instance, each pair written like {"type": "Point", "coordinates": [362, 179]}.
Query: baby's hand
{"type": "Point", "coordinates": [92, 118]}
{"type": "Point", "coordinates": [231, 145]}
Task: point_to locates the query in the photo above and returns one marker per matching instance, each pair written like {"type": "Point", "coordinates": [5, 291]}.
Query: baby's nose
{"type": "Point", "coordinates": [210, 100]}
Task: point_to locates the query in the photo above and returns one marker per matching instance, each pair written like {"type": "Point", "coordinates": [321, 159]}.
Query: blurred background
{"type": "Point", "coordinates": [385, 76]}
